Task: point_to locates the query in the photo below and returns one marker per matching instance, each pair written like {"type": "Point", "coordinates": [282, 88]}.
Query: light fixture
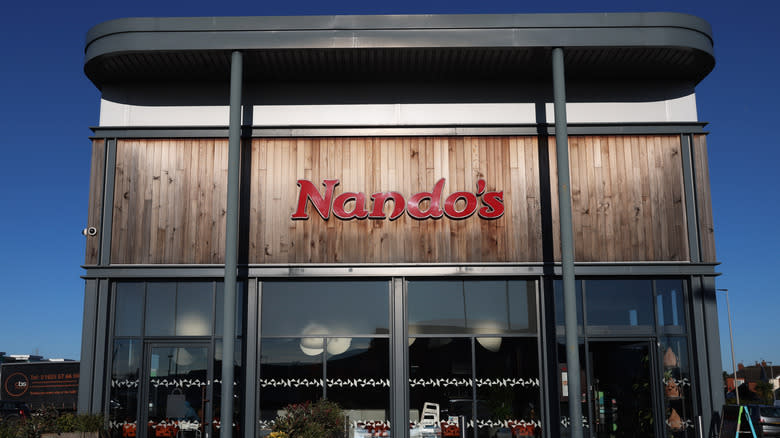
{"type": "Point", "coordinates": [311, 346]}
{"type": "Point", "coordinates": [491, 344]}
{"type": "Point", "coordinates": [338, 345]}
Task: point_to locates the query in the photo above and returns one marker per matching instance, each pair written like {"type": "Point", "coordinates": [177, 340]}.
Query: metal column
{"type": "Point", "coordinates": [231, 246]}
{"type": "Point", "coordinates": [567, 243]}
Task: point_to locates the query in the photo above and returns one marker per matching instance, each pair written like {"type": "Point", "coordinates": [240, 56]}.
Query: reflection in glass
{"type": "Point", "coordinates": [160, 308]}
{"type": "Point", "coordinates": [325, 308]}
{"type": "Point", "coordinates": [287, 375]}
{"type": "Point", "coordinates": [125, 371]}
{"type": "Point", "coordinates": [440, 372]}
{"type": "Point", "coordinates": [678, 402]}
{"type": "Point", "coordinates": [194, 302]}
{"type": "Point", "coordinates": [358, 379]}
{"type": "Point", "coordinates": [563, 388]}
{"type": "Point", "coordinates": [128, 309]}
{"type": "Point", "coordinates": [671, 310]}
{"type": "Point", "coordinates": [178, 385]}
{"type": "Point", "coordinates": [507, 382]}
{"type": "Point", "coordinates": [471, 306]}
{"type": "Point", "coordinates": [559, 309]}
{"type": "Point", "coordinates": [220, 301]}
{"type": "Point", "coordinates": [619, 303]}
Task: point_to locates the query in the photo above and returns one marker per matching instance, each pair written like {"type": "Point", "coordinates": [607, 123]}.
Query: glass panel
{"type": "Point", "coordinates": [358, 379]}
{"type": "Point", "coordinates": [237, 371]}
{"type": "Point", "coordinates": [440, 385]}
{"type": "Point", "coordinates": [479, 307]}
{"type": "Point", "coordinates": [160, 308]}
{"type": "Point", "coordinates": [128, 309]}
{"type": "Point", "coordinates": [560, 323]}
{"type": "Point", "coordinates": [290, 372]}
{"type": "Point", "coordinates": [671, 307]}
{"type": "Point", "coordinates": [507, 381]}
{"type": "Point", "coordinates": [325, 308]}
{"type": "Point", "coordinates": [563, 388]}
{"type": "Point", "coordinates": [178, 384]}
{"type": "Point", "coordinates": [240, 294]}
{"type": "Point", "coordinates": [678, 401]}
{"type": "Point", "coordinates": [619, 304]}
{"type": "Point", "coordinates": [125, 371]}
{"type": "Point", "coordinates": [194, 303]}
{"type": "Point", "coordinates": [622, 393]}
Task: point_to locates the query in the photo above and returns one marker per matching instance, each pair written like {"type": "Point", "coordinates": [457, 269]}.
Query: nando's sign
{"type": "Point", "coordinates": [423, 205]}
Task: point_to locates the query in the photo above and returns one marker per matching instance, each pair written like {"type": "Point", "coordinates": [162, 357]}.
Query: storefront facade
{"type": "Point", "coordinates": [398, 224]}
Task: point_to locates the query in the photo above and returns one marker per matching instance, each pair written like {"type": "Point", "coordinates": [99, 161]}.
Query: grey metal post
{"type": "Point", "coordinates": [567, 243]}
{"type": "Point", "coordinates": [731, 337]}
{"type": "Point", "coordinates": [231, 246]}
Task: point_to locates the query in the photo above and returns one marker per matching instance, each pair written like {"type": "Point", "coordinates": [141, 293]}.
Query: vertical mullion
{"type": "Point", "coordinates": [399, 359]}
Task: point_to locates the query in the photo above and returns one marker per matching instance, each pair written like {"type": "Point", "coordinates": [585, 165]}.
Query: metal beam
{"type": "Point", "coordinates": [231, 246]}
{"type": "Point", "coordinates": [106, 222]}
{"type": "Point", "coordinates": [567, 242]}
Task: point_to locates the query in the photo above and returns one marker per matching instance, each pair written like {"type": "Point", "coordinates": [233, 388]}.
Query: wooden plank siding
{"type": "Point", "coordinates": [704, 199]}
{"type": "Point", "coordinates": [96, 178]}
{"type": "Point", "coordinates": [169, 205]}
{"type": "Point", "coordinates": [627, 198]}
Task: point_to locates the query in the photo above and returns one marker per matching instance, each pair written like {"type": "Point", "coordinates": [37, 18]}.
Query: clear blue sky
{"type": "Point", "coordinates": [47, 105]}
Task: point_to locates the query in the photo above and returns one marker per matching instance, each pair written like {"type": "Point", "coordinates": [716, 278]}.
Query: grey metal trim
{"type": "Point", "coordinates": [399, 357]}
{"type": "Point", "coordinates": [107, 217]}
{"type": "Point", "coordinates": [231, 242]}
{"type": "Point", "coordinates": [602, 30]}
{"type": "Point", "coordinates": [662, 128]}
{"type": "Point", "coordinates": [252, 359]}
{"type": "Point", "coordinates": [698, 337]}
{"type": "Point", "coordinates": [99, 358]}
{"type": "Point", "coordinates": [711, 414]}
{"type": "Point", "coordinates": [689, 187]}
{"type": "Point", "coordinates": [420, 270]}
{"type": "Point", "coordinates": [86, 366]}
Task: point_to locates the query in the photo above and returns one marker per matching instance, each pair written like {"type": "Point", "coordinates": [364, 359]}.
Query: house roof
{"type": "Point", "coordinates": [350, 47]}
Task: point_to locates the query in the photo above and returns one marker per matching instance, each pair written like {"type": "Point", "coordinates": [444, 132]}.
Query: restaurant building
{"type": "Point", "coordinates": [398, 237]}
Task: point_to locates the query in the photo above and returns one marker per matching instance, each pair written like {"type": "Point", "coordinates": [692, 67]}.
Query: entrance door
{"type": "Point", "coordinates": [176, 391]}
{"type": "Point", "coordinates": [621, 389]}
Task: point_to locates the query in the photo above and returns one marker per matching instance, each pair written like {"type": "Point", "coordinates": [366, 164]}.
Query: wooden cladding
{"type": "Point", "coordinates": [627, 197]}
{"type": "Point", "coordinates": [96, 175]}
{"type": "Point", "coordinates": [701, 171]}
{"type": "Point", "coordinates": [169, 201]}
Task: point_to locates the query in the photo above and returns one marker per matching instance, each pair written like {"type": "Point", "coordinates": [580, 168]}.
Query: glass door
{"type": "Point", "coordinates": [621, 389]}
{"type": "Point", "coordinates": [176, 389]}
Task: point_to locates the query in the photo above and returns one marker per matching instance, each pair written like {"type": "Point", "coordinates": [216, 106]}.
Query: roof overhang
{"type": "Point", "coordinates": [401, 47]}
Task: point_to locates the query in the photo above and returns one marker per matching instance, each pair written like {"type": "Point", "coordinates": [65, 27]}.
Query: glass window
{"type": "Point", "coordinates": [291, 371]}
{"type": "Point", "coordinates": [325, 308]}
{"type": "Point", "coordinates": [619, 304]}
{"type": "Point", "coordinates": [670, 302]}
{"type": "Point", "coordinates": [358, 379]}
{"type": "Point", "coordinates": [194, 302]}
{"type": "Point", "coordinates": [128, 309]}
{"type": "Point", "coordinates": [125, 372]}
{"type": "Point", "coordinates": [160, 308]}
{"type": "Point", "coordinates": [440, 382]}
{"type": "Point", "coordinates": [478, 307]}
{"type": "Point", "coordinates": [507, 382]}
{"type": "Point", "coordinates": [560, 316]}
{"type": "Point", "coordinates": [678, 393]}
{"type": "Point", "coordinates": [218, 325]}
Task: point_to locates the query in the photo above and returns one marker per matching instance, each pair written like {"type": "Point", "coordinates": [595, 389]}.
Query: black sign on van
{"type": "Point", "coordinates": [41, 384]}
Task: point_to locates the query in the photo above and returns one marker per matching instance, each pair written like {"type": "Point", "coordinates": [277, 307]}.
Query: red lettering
{"type": "Point", "coordinates": [378, 212]}
{"type": "Point", "coordinates": [494, 205]}
{"type": "Point", "coordinates": [433, 210]}
{"type": "Point", "coordinates": [340, 209]}
{"type": "Point", "coordinates": [310, 193]}
{"type": "Point", "coordinates": [450, 208]}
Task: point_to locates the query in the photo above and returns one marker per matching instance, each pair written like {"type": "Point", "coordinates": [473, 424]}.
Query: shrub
{"type": "Point", "coordinates": [323, 419]}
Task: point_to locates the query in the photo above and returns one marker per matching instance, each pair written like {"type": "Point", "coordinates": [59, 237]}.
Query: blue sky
{"type": "Point", "coordinates": [47, 105]}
